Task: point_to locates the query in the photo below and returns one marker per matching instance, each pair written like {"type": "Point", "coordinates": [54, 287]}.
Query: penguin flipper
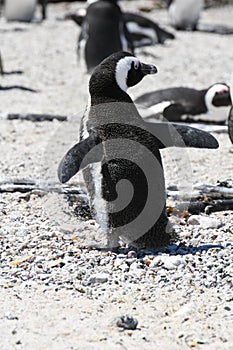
{"type": "Point", "coordinates": [171, 134]}
{"type": "Point", "coordinates": [174, 112]}
{"type": "Point", "coordinates": [78, 157]}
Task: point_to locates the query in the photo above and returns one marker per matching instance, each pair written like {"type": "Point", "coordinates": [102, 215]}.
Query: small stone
{"type": "Point", "coordinates": [186, 309]}
{"type": "Point", "coordinates": [131, 254]}
{"type": "Point", "coordinates": [172, 262]}
{"type": "Point", "coordinates": [204, 221]}
{"type": "Point", "coordinates": [126, 322]}
{"type": "Point", "coordinates": [98, 278]}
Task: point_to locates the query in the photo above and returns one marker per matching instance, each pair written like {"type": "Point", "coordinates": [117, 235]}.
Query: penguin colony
{"type": "Point", "coordinates": [111, 121]}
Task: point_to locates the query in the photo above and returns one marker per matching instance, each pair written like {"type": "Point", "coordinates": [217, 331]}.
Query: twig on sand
{"type": "Point", "coordinates": [24, 186]}
{"type": "Point", "coordinates": [33, 117]}
{"type": "Point", "coordinates": [208, 199]}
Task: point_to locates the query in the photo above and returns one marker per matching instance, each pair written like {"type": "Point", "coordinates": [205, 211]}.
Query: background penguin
{"type": "Point", "coordinates": [103, 32]}
{"type": "Point", "coordinates": [178, 103]}
{"type": "Point", "coordinates": [184, 14]}
{"type": "Point", "coordinates": [112, 116]}
{"type": "Point", "coordinates": [144, 31]}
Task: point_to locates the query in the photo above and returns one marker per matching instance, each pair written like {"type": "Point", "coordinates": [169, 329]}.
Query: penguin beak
{"type": "Point", "coordinates": [148, 69]}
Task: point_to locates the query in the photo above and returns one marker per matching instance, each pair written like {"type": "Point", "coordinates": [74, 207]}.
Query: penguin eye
{"type": "Point", "coordinates": [136, 65]}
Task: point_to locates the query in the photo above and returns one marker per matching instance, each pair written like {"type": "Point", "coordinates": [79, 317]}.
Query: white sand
{"type": "Point", "coordinates": [46, 53]}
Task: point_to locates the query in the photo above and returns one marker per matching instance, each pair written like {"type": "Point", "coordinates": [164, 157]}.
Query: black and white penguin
{"type": "Point", "coordinates": [103, 33]}
{"type": "Point", "coordinates": [179, 103]}
{"type": "Point", "coordinates": [120, 155]}
{"type": "Point", "coordinates": [145, 31]}
{"type": "Point", "coordinates": [184, 14]}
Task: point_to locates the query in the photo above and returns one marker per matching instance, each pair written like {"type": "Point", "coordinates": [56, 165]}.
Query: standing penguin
{"type": "Point", "coordinates": [120, 155]}
{"type": "Point", "coordinates": [184, 14]}
{"type": "Point", "coordinates": [103, 33]}
{"type": "Point", "coordinates": [179, 103]}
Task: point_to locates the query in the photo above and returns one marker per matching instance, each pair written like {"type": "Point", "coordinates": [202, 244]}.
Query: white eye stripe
{"type": "Point", "coordinates": [122, 68]}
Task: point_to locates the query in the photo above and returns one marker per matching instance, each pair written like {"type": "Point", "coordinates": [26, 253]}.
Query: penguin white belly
{"type": "Point", "coordinates": [185, 13]}
{"type": "Point", "coordinates": [93, 179]}
{"type": "Point", "coordinates": [20, 10]}
{"type": "Point", "coordinates": [99, 205]}
{"type": "Point", "coordinates": [135, 28]}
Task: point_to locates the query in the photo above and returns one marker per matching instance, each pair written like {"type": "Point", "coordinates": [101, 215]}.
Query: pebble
{"type": "Point", "coordinates": [204, 221]}
{"type": "Point", "coordinates": [98, 278]}
{"type": "Point", "coordinates": [44, 254]}
{"type": "Point", "coordinates": [126, 322]}
{"type": "Point", "coordinates": [172, 262]}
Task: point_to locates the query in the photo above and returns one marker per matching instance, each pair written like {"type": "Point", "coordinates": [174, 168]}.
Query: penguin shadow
{"type": "Point", "coordinates": [79, 206]}
{"type": "Point", "coordinates": [81, 210]}
{"type": "Point", "coordinates": [221, 30]}
{"type": "Point", "coordinates": [204, 28]}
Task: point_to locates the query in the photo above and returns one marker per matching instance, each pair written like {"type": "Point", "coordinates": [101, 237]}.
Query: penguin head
{"type": "Point", "coordinates": [218, 95]}
{"type": "Point", "coordinates": [117, 73]}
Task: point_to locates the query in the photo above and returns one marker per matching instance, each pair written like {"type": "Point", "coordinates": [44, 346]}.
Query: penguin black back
{"type": "Point", "coordinates": [103, 33]}
{"type": "Point", "coordinates": [124, 174]}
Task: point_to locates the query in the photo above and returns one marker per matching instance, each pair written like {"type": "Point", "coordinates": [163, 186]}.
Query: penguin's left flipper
{"type": "Point", "coordinates": [78, 157]}
{"type": "Point", "coordinates": [176, 135]}
{"type": "Point", "coordinates": [174, 112]}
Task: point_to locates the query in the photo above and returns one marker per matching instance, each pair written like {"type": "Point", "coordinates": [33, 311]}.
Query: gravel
{"type": "Point", "coordinates": [57, 289]}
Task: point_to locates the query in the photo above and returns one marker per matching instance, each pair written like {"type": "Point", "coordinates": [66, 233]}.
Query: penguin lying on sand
{"type": "Point", "coordinates": [179, 103]}
{"type": "Point", "coordinates": [103, 32]}
{"type": "Point", "coordinates": [120, 155]}
{"type": "Point", "coordinates": [144, 31]}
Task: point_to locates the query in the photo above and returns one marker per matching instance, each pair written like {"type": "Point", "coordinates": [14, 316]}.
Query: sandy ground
{"type": "Point", "coordinates": [38, 317]}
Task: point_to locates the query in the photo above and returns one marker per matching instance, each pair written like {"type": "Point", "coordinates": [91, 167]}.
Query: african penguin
{"type": "Point", "coordinates": [184, 14]}
{"type": "Point", "coordinates": [179, 103]}
{"type": "Point", "coordinates": [144, 31]}
{"type": "Point", "coordinates": [103, 33]}
{"type": "Point", "coordinates": [120, 155]}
